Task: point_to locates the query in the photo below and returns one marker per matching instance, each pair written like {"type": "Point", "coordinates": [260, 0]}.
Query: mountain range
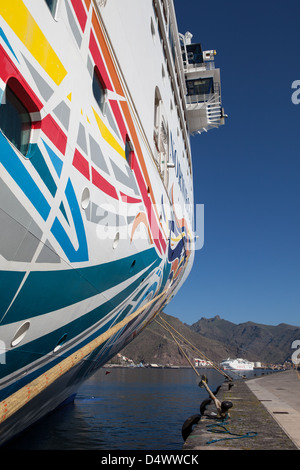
{"type": "Point", "coordinates": [215, 338]}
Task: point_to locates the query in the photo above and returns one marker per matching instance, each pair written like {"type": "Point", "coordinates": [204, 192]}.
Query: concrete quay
{"type": "Point", "coordinates": [265, 416]}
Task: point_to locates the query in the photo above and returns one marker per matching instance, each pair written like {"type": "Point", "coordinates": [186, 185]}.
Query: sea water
{"type": "Point", "coordinates": [124, 409]}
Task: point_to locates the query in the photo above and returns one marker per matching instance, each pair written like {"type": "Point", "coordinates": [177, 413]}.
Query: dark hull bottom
{"type": "Point", "coordinates": [62, 391]}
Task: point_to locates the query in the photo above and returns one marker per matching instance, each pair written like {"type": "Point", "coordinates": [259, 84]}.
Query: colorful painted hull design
{"type": "Point", "coordinates": [86, 239]}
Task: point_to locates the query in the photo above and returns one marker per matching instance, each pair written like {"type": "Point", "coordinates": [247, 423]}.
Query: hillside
{"type": "Point", "coordinates": [155, 345]}
{"type": "Point", "coordinates": [216, 338]}
{"type": "Point", "coordinates": [256, 342]}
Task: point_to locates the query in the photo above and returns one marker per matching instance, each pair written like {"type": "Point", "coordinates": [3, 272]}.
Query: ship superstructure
{"type": "Point", "coordinates": [96, 207]}
{"type": "Point", "coordinates": [203, 85]}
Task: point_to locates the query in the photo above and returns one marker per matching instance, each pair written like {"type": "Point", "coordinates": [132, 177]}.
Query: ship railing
{"type": "Point", "coordinates": [188, 67]}
{"type": "Point", "coordinates": [213, 111]}
{"type": "Point", "coordinates": [200, 99]}
{"type": "Point", "coordinates": [205, 97]}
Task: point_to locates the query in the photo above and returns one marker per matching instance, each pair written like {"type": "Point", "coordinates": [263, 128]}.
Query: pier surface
{"type": "Point", "coordinates": [265, 416]}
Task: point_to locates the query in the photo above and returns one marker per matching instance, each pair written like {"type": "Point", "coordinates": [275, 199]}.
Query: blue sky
{"type": "Point", "coordinates": [247, 172]}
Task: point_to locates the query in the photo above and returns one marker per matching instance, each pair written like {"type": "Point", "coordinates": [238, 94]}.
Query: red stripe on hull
{"type": "Point", "coordinates": [129, 199]}
{"type": "Point", "coordinates": [81, 164]}
{"type": "Point", "coordinates": [118, 116]}
{"type": "Point", "coordinates": [103, 184]}
{"type": "Point", "coordinates": [80, 13]}
{"type": "Point", "coordinates": [55, 134]}
{"type": "Point", "coordinates": [8, 71]}
{"type": "Point", "coordinates": [99, 62]}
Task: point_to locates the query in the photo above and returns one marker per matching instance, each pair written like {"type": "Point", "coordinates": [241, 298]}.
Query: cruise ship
{"type": "Point", "coordinates": [99, 99]}
{"type": "Point", "coordinates": [237, 364]}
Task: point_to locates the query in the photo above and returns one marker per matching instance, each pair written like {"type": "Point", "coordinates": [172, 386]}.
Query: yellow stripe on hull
{"type": "Point", "coordinates": [107, 135]}
{"type": "Point", "coordinates": [17, 16]}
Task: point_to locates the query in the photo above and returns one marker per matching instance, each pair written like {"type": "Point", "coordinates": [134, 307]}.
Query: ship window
{"type": "Point", "coordinates": [194, 52]}
{"type": "Point", "coordinates": [60, 343]}
{"type": "Point", "coordinates": [200, 86]}
{"type": "Point", "coordinates": [99, 89]}
{"type": "Point", "coordinates": [15, 122]}
{"type": "Point", "coordinates": [20, 334]}
{"type": "Point", "coordinates": [128, 151]}
{"type": "Point", "coordinates": [116, 240]}
{"type": "Point", "coordinates": [132, 265]}
{"type": "Point", "coordinates": [85, 198]}
{"type": "Point", "coordinates": [52, 4]}
{"type": "Point", "coordinates": [152, 27]}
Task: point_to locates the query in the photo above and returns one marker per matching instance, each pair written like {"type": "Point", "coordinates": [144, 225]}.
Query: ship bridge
{"type": "Point", "coordinates": [203, 99]}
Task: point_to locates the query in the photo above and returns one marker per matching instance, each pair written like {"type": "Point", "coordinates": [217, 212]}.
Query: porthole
{"type": "Point", "coordinates": [99, 89]}
{"type": "Point", "coordinates": [129, 152]}
{"type": "Point", "coordinates": [132, 265]}
{"type": "Point", "coordinates": [152, 28]}
{"type": "Point", "coordinates": [116, 240]}
{"type": "Point", "coordinates": [20, 334]}
{"type": "Point", "coordinates": [15, 121]}
{"type": "Point", "coordinates": [60, 342]}
{"type": "Point", "coordinates": [85, 198]}
{"type": "Point", "coordinates": [52, 5]}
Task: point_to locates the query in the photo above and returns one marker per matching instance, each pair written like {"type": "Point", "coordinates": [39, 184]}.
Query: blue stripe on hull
{"type": "Point", "coordinates": [47, 291]}
{"type": "Point", "coordinates": [20, 357]}
{"type": "Point", "coordinates": [9, 284]}
{"type": "Point", "coordinates": [81, 254]}
{"type": "Point", "coordinates": [18, 172]}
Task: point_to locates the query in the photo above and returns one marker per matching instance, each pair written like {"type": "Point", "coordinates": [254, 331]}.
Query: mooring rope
{"type": "Point", "coordinates": [203, 381]}
{"type": "Point", "coordinates": [181, 349]}
{"type": "Point", "coordinates": [224, 416]}
{"type": "Point", "coordinates": [17, 400]}
{"type": "Point", "coordinates": [213, 364]}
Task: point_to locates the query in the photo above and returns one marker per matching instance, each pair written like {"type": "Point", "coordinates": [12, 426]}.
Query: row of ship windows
{"type": "Point", "coordinates": [98, 87]}
{"type": "Point", "coordinates": [16, 123]}
{"type": "Point", "coordinates": [154, 25]}
{"type": "Point", "coordinates": [15, 120]}
{"type": "Point", "coordinates": [98, 83]}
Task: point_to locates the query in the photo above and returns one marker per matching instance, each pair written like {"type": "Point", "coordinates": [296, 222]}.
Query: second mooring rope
{"type": "Point", "coordinates": [167, 327]}
{"type": "Point", "coordinates": [221, 429]}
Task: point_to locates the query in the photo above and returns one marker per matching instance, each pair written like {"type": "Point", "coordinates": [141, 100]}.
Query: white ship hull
{"type": "Point", "coordinates": [96, 190]}
{"type": "Point", "coordinates": [237, 364]}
